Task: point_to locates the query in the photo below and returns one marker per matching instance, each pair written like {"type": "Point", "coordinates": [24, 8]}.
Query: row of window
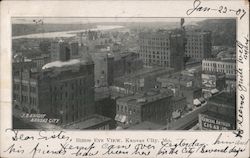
{"type": "Point", "coordinates": [220, 70]}
{"type": "Point", "coordinates": [154, 56]}
{"type": "Point", "coordinates": [157, 61]}
{"type": "Point", "coordinates": [232, 66]}
{"type": "Point", "coordinates": [25, 88]}
{"type": "Point", "coordinates": [148, 48]}
{"type": "Point", "coordinates": [125, 109]}
{"type": "Point", "coordinates": [65, 95]}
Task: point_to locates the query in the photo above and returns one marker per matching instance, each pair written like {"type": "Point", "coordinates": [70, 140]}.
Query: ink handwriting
{"type": "Point", "coordinates": [197, 7]}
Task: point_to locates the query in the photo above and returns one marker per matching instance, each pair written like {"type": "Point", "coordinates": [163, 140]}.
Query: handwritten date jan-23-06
{"type": "Point", "coordinates": [197, 7]}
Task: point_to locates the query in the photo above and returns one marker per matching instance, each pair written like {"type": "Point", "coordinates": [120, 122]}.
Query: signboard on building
{"type": "Point", "coordinates": [208, 80]}
{"type": "Point", "coordinates": [212, 123]}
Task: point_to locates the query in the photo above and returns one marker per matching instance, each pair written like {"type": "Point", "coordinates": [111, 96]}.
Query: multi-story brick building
{"type": "Point", "coordinates": [198, 45]}
{"type": "Point", "coordinates": [63, 89]}
{"type": "Point", "coordinates": [163, 48]}
{"type": "Point", "coordinates": [154, 106]}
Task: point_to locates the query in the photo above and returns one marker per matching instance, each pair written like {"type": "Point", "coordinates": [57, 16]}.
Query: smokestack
{"type": "Point", "coordinates": [182, 22]}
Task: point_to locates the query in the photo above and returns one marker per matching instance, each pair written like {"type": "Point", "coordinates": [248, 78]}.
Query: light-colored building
{"type": "Point", "coordinates": [198, 44]}
{"type": "Point", "coordinates": [162, 48]}
{"type": "Point", "coordinates": [217, 65]}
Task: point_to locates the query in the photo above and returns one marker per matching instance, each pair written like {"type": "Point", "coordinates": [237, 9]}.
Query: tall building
{"type": "Point", "coordinates": [74, 50]}
{"type": "Point", "coordinates": [163, 48]}
{"type": "Point", "coordinates": [62, 90]}
{"type": "Point", "coordinates": [198, 45]}
{"type": "Point", "coordinates": [60, 51]}
{"type": "Point", "coordinates": [103, 61]}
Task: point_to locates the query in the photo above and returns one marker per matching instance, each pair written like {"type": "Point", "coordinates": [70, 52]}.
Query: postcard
{"type": "Point", "coordinates": [124, 79]}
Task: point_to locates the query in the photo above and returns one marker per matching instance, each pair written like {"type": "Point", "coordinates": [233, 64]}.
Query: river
{"type": "Point", "coordinates": [67, 33]}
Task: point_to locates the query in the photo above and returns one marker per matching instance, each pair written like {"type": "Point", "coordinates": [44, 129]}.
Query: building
{"type": "Point", "coordinates": [214, 121]}
{"type": "Point", "coordinates": [221, 114]}
{"type": "Point", "coordinates": [217, 65]}
{"type": "Point", "coordinates": [126, 63]}
{"type": "Point", "coordinates": [41, 61]}
{"type": "Point", "coordinates": [223, 103]}
{"type": "Point", "coordinates": [176, 80]}
{"type": "Point", "coordinates": [213, 80]}
{"type": "Point", "coordinates": [105, 105]}
{"type": "Point", "coordinates": [104, 70]}
{"type": "Point", "coordinates": [226, 66]}
{"type": "Point", "coordinates": [199, 45]}
{"type": "Point", "coordinates": [59, 51]}
{"type": "Point", "coordinates": [92, 122]}
{"type": "Point", "coordinates": [192, 94]}
{"type": "Point", "coordinates": [153, 106]}
{"type": "Point", "coordinates": [142, 80]}
{"type": "Point", "coordinates": [63, 51]}
{"type": "Point", "coordinates": [64, 89]}
{"type": "Point", "coordinates": [162, 48]}
{"type": "Point", "coordinates": [179, 106]}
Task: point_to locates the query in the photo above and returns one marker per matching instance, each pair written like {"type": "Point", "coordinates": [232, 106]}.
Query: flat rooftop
{"type": "Point", "coordinates": [225, 99]}
{"type": "Point", "coordinates": [146, 97]}
{"type": "Point", "coordinates": [219, 60]}
{"type": "Point", "coordinates": [145, 72]}
{"type": "Point", "coordinates": [88, 122]}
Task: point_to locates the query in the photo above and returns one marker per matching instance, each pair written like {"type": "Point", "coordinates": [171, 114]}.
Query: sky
{"type": "Point", "coordinates": [93, 20]}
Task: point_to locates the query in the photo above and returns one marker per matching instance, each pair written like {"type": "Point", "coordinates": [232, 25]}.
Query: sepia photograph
{"type": "Point", "coordinates": [124, 79]}
{"type": "Point", "coordinates": [123, 73]}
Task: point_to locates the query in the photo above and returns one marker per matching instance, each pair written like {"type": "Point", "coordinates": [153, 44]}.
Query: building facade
{"type": "Point", "coordinates": [62, 89]}
{"type": "Point", "coordinates": [154, 106]}
{"type": "Point", "coordinates": [162, 48]}
{"type": "Point", "coordinates": [199, 45]}
{"type": "Point", "coordinates": [217, 65]}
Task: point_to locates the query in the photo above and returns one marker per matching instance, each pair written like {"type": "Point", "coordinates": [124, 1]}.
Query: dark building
{"type": "Point", "coordinates": [92, 35]}
{"type": "Point", "coordinates": [126, 63]}
{"type": "Point", "coordinates": [154, 106]}
{"type": "Point", "coordinates": [215, 121]}
{"type": "Point", "coordinates": [63, 89]}
{"type": "Point", "coordinates": [105, 105]}
{"type": "Point", "coordinates": [223, 103]}
{"type": "Point", "coordinates": [199, 45]}
{"type": "Point", "coordinates": [74, 50]}
{"type": "Point", "coordinates": [221, 114]}
{"type": "Point", "coordinates": [163, 48]}
{"type": "Point", "coordinates": [64, 51]}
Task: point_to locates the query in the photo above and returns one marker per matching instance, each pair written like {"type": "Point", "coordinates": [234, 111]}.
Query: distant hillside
{"type": "Point", "coordinates": [24, 29]}
{"type": "Point", "coordinates": [223, 30]}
